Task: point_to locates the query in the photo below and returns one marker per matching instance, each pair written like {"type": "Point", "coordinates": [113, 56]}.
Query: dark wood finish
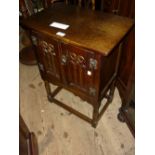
{"type": "Point", "coordinates": [28, 8]}
{"type": "Point", "coordinates": [85, 61]}
{"type": "Point", "coordinates": [106, 30]}
{"type": "Point", "coordinates": [83, 3]}
{"type": "Point", "coordinates": [126, 72]}
{"type": "Point", "coordinates": [27, 56]}
{"type": "Point", "coordinates": [125, 78]}
{"type": "Point", "coordinates": [110, 5]}
{"type": "Point", "coordinates": [126, 89]}
{"type": "Point", "coordinates": [127, 114]}
{"type": "Point", "coordinates": [124, 8]}
{"type": "Point", "coordinates": [27, 140]}
{"type": "Point", "coordinates": [127, 8]}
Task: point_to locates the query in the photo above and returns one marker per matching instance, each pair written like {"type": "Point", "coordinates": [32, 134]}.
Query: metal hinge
{"type": "Point", "coordinates": [41, 67]}
{"type": "Point", "coordinates": [92, 91]}
{"type": "Point", "coordinates": [92, 63]}
{"type": "Point", "coordinates": [34, 40]}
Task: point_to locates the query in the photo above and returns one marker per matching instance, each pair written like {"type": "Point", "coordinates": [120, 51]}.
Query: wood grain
{"type": "Point", "coordinates": [98, 31]}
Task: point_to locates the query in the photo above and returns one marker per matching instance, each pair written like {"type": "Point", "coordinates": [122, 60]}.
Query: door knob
{"type": "Point", "coordinates": [89, 73]}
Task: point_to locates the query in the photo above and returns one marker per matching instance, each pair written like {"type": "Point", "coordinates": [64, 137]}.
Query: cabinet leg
{"type": "Point", "coordinates": [95, 116]}
{"type": "Point", "coordinates": [48, 90]}
{"type": "Point", "coordinates": [111, 94]}
{"type": "Point", "coordinates": [120, 116]}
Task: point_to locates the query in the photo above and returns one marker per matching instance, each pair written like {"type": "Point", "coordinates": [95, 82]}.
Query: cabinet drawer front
{"type": "Point", "coordinates": [48, 51]}
{"type": "Point", "coordinates": [80, 68]}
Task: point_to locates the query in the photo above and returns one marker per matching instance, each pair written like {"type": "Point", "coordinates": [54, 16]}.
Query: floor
{"type": "Point", "coordinates": [60, 132]}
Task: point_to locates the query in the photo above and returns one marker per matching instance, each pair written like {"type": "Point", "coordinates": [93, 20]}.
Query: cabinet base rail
{"type": "Point", "coordinates": [96, 114]}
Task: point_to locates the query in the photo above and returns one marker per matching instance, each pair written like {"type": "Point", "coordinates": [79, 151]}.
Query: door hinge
{"type": "Point", "coordinates": [92, 91]}
{"type": "Point", "coordinates": [92, 63]}
{"type": "Point", "coordinates": [34, 40]}
{"type": "Point", "coordinates": [41, 67]}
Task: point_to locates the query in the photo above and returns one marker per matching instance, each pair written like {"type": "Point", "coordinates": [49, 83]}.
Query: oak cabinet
{"type": "Point", "coordinates": [70, 65]}
{"type": "Point", "coordinates": [85, 60]}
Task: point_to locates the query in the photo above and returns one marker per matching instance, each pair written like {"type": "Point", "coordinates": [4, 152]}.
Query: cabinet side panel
{"type": "Point", "coordinates": [127, 58]}
{"type": "Point", "coordinates": [126, 64]}
{"type": "Point", "coordinates": [108, 65]}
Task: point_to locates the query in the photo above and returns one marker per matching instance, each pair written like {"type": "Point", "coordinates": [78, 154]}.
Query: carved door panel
{"type": "Point", "coordinates": [79, 68]}
{"type": "Point", "coordinates": [49, 56]}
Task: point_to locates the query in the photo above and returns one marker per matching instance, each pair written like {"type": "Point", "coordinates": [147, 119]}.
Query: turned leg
{"type": "Point", "coordinates": [123, 109]}
{"type": "Point", "coordinates": [48, 89]}
{"type": "Point", "coordinates": [95, 115]}
{"type": "Point", "coordinates": [120, 116]}
{"type": "Point", "coordinates": [112, 89]}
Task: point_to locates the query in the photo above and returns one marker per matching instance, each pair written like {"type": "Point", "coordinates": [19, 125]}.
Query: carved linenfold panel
{"type": "Point", "coordinates": [44, 44]}
{"type": "Point", "coordinates": [51, 49]}
{"type": "Point", "coordinates": [73, 58]}
{"type": "Point", "coordinates": [47, 47]}
{"type": "Point", "coordinates": [80, 59]}
{"type": "Point", "coordinates": [77, 59]}
{"type": "Point", "coordinates": [76, 67]}
{"type": "Point", "coordinates": [48, 51]}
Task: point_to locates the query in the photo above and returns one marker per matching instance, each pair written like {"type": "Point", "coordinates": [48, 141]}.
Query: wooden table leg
{"type": "Point", "coordinates": [95, 115]}
{"type": "Point", "coordinates": [48, 90]}
{"type": "Point", "coordinates": [120, 116]}
{"type": "Point", "coordinates": [112, 89]}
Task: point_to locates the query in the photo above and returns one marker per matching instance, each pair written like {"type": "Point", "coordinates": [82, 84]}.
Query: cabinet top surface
{"type": "Point", "coordinates": [93, 30]}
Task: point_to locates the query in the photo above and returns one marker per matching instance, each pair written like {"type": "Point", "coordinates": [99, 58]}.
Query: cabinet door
{"type": "Point", "coordinates": [49, 58]}
{"type": "Point", "coordinates": [80, 69]}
